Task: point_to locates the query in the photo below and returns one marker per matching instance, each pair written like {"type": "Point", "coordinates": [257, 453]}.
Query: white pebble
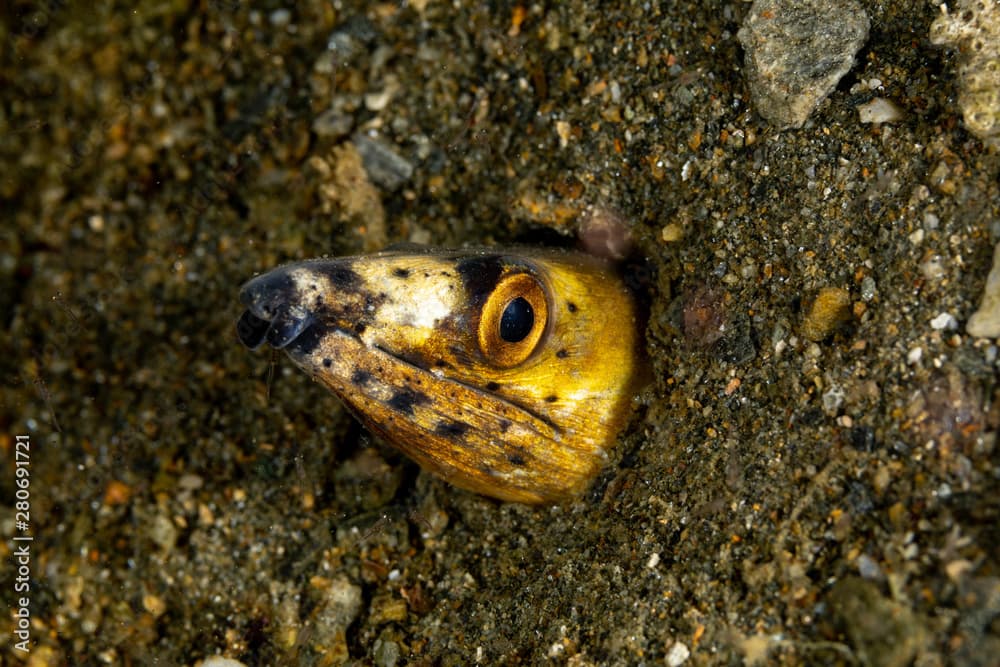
{"type": "Point", "coordinates": [219, 661]}
{"type": "Point", "coordinates": [944, 321]}
{"type": "Point", "coordinates": [932, 269]}
{"type": "Point", "coordinates": [879, 110]}
{"type": "Point", "coordinates": [832, 399]}
{"type": "Point", "coordinates": [678, 654]}
{"type": "Point", "coordinates": [280, 17]}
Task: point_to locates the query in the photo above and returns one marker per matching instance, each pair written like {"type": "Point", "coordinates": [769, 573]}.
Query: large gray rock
{"type": "Point", "coordinates": [797, 51]}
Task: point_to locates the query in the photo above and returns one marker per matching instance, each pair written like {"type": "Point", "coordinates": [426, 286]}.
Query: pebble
{"type": "Point", "coordinates": [868, 288]}
{"type": "Point", "coordinates": [338, 608]}
{"type": "Point", "coordinates": [163, 532]}
{"type": "Point", "coordinates": [796, 52]}
{"type": "Point", "coordinates": [333, 124]}
{"type": "Point", "coordinates": [868, 568]}
{"type": "Point", "coordinates": [672, 233]}
{"type": "Point", "coordinates": [944, 321]}
{"type": "Point", "coordinates": [985, 322]}
{"type": "Point", "coordinates": [832, 400]}
{"type": "Point", "coordinates": [879, 110]}
{"type": "Point", "coordinates": [280, 18]}
{"type": "Point", "coordinates": [219, 661]}
{"type": "Point", "coordinates": [385, 167]}
{"type": "Point", "coordinates": [386, 608]}
{"type": "Point", "coordinates": [678, 654]}
{"type": "Point", "coordinates": [386, 653]}
{"type": "Point", "coordinates": [973, 30]}
{"type": "Point", "coordinates": [831, 308]}
{"type": "Point", "coordinates": [932, 269]}
{"type": "Point", "coordinates": [604, 232]}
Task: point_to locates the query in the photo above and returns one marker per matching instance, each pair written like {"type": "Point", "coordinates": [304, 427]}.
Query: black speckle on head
{"type": "Point", "coordinates": [562, 354]}
{"type": "Point", "coordinates": [571, 306]}
{"type": "Point", "coordinates": [342, 277]}
{"type": "Point", "coordinates": [516, 456]}
{"type": "Point", "coordinates": [551, 399]}
{"type": "Point", "coordinates": [401, 272]}
{"type": "Point", "coordinates": [404, 400]}
{"type": "Point", "coordinates": [360, 327]}
{"type": "Point", "coordinates": [360, 377]}
{"type": "Point", "coordinates": [453, 430]}
{"type": "Point", "coordinates": [480, 276]}
{"type": "Point", "coordinates": [492, 386]}
{"type": "Point", "coordinates": [504, 424]}
{"type": "Point", "coordinates": [327, 363]}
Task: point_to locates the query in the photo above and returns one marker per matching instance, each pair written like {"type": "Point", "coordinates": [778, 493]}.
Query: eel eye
{"type": "Point", "coordinates": [513, 320]}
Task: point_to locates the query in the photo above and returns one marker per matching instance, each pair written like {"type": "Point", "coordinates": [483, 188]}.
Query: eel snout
{"type": "Point", "coordinates": [274, 313]}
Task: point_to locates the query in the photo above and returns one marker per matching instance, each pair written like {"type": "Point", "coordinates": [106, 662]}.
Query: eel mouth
{"type": "Point", "coordinates": [280, 332]}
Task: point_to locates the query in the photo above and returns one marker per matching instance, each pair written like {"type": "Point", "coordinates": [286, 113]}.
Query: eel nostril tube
{"type": "Point", "coordinates": [251, 330]}
{"type": "Point", "coordinates": [287, 325]}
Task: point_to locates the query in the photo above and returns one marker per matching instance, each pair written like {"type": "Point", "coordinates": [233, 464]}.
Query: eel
{"type": "Point", "coordinates": [506, 372]}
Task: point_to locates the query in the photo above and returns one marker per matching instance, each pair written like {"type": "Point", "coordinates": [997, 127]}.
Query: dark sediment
{"type": "Point", "coordinates": [785, 497]}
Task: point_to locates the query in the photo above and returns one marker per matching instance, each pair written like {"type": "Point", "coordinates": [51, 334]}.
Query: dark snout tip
{"type": "Point", "coordinates": [274, 312]}
{"type": "Point", "coordinates": [268, 293]}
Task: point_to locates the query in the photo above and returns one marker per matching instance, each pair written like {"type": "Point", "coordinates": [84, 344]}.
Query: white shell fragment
{"type": "Point", "coordinates": [985, 322]}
